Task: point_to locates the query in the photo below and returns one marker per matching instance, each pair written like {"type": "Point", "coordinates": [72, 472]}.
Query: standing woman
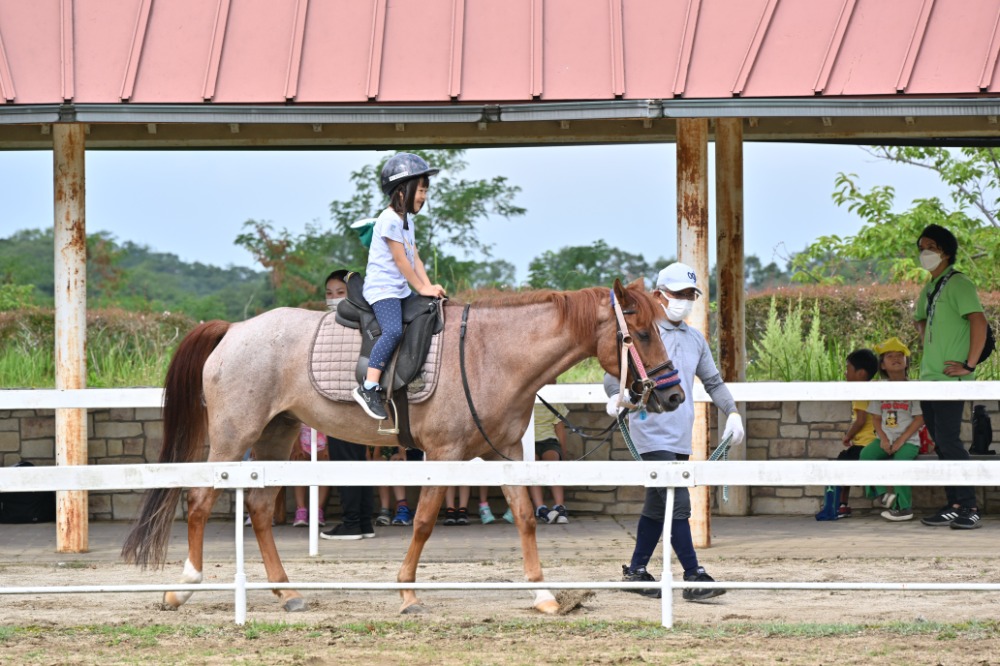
{"type": "Point", "coordinates": [951, 322]}
{"type": "Point", "coordinates": [394, 266]}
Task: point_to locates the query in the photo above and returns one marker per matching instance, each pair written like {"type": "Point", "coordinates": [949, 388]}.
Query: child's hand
{"type": "Point", "coordinates": [846, 441]}
{"type": "Point", "coordinates": [433, 290]}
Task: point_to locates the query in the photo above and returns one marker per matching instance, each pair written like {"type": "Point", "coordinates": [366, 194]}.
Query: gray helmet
{"type": "Point", "coordinates": [402, 167]}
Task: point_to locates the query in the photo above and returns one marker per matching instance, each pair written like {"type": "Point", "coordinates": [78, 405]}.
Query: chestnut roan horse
{"type": "Point", "coordinates": [246, 385]}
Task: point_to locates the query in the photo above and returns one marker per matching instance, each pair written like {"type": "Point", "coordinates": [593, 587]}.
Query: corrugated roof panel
{"type": "Point", "coordinates": [874, 49]}
{"type": "Point", "coordinates": [496, 58]}
{"type": "Point", "coordinates": [103, 37]}
{"type": "Point", "coordinates": [725, 31]}
{"type": "Point", "coordinates": [940, 67]}
{"type": "Point", "coordinates": [256, 51]}
{"type": "Point", "coordinates": [790, 58]}
{"type": "Point", "coordinates": [336, 51]}
{"type": "Point", "coordinates": [416, 56]}
{"type": "Point", "coordinates": [32, 43]}
{"type": "Point", "coordinates": [577, 61]}
{"type": "Point", "coordinates": [175, 54]}
{"type": "Point", "coordinates": [653, 31]}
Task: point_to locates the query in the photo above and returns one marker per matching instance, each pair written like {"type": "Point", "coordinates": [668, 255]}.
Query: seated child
{"type": "Point", "coordinates": [897, 424]}
{"type": "Point", "coordinates": [862, 365]}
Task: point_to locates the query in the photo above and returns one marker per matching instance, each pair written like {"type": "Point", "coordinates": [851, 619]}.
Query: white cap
{"type": "Point", "coordinates": [677, 277]}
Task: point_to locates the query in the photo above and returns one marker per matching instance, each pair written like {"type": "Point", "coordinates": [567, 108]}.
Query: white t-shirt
{"type": "Point", "coordinates": [897, 415]}
{"type": "Point", "coordinates": [382, 277]}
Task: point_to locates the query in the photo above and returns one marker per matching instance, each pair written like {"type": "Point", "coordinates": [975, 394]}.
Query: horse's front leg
{"type": "Point", "coordinates": [428, 507]}
{"type": "Point", "coordinates": [524, 517]}
{"type": "Point", "coordinates": [260, 502]}
{"type": "Point", "coordinates": [200, 503]}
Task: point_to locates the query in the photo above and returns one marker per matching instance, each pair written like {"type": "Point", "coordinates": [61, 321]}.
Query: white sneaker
{"type": "Point", "coordinates": [885, 500]}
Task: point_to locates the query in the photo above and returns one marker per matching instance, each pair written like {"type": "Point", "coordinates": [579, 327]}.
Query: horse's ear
{"type": "Point", "coordinates": [619, 291]}
{"type": "Point", "coordinates": [638, 283]}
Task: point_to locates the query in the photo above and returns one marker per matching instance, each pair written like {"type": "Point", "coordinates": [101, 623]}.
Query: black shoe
{"type": "Point", "coordinates": [944, 517]}
{"type": "Point", "coordinates": [367, 531]}
{"type": "Point", "coordinates": [640, 575]}
{"type": "Point", "coordinates": [343, 532]}
{"type": "Point", "coordinates": [463, 516]}
{"type": "Point", "coordinates": [370, 401]}
{"type": "Point", "coordinates": [450, 516]}
{"type": "Point", "coordinates": [968, 519]}
{"type": "Point", "coordinates": [700, 594]}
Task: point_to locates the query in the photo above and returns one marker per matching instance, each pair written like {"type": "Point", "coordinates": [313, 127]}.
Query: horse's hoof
{"type": "Point", "coordinates": [296, 605]}
{"type": "Point", "coordinates": [168, 607]}
{"type": "Point", "coordinates": [549, 607]}
{"type": "Point", "coordinates": [412, 609]}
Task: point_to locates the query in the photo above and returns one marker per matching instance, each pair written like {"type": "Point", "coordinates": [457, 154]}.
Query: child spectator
{"type": "Point", "coordinates": [550, 442]}
{"type": "Point", "coordinates": [897, 425]}
{"type": "Point", "coordinates": [862, 365]}
{"type": "Point", "coordinates": [304, 452]}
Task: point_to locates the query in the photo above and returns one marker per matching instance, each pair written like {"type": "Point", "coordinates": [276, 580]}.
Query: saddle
{"type": "Point", "coordinates": [423, 317]}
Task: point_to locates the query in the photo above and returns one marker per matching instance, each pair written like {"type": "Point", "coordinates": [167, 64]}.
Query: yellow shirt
{"type": "Point", "coordinates": [866, 435]}
{"type": "Point", "coordinates": [545, 421]}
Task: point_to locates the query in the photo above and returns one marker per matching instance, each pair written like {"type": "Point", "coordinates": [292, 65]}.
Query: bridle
{"type": "Point", "coordinates": [643, 384]}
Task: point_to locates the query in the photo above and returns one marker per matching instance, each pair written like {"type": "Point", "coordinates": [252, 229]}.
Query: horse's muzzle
{"type": "Point", "coordinates": [665, 400]}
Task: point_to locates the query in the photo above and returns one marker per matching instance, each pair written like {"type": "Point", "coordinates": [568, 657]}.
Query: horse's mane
{"type": "Point", "coordinates": [577, 310]}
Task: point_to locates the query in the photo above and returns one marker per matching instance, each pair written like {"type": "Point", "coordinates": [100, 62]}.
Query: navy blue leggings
{"type": "Point", "coordinates": [389, 313]}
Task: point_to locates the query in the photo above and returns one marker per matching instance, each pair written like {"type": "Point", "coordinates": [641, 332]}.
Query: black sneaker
{"type": "Point", "coordinates": [450, 516]}
{"type": "Point", "coordinates": [944, 517]}
{"type": "Point", "coordinates": [700, 594]}
{"type": "Point", "coordinates": [463, 516]}
{"type": "Point", "coordinates": [370, 401]}
{"type": "Point", "coordinates": [640, 575]}
{"type": "Point", "coordinates": [343, 532]}
{"type": "Point", "coordinates": [968, 519]}
{"type": "Point", "coordinates": [367, 531]}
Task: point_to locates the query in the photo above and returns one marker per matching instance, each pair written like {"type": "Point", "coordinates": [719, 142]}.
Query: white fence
{"type": "Point", "coordinates": [570, 473]}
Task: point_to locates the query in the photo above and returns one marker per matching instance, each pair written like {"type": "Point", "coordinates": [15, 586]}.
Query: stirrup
{"type": "Point", "coordinates": [394, 430]}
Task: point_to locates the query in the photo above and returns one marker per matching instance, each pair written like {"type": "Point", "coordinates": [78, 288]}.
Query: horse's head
{"type": "Point", "coordinates": [649, 371]}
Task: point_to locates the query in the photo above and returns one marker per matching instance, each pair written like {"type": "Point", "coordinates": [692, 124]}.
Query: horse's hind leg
{"type": "Point", "coordinates": [423, 524]}
{"type": "Point", "coordinates": [524, 517]}
{"type": "Point", "coordinates": [200, 503]}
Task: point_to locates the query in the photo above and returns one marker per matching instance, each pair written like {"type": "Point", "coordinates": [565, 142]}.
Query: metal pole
{"type": "Point", "coordinates": [313, 501]}
{"type": "Point", "coordinates": [666, 578]}
{"type": "Point", "coordinates": [692, 249]}
{"type": "Point", "coordinates": [240, 578]}
{"type": "Point", "coordinates": [70, 234]}
{"type": "Point", "coordinates": [730, 280]}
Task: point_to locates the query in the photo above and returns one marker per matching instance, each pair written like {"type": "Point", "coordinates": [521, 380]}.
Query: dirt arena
{"type": "Point", "coordinates": [499, 627]}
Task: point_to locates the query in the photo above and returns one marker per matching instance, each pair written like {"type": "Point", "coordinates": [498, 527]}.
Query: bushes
{"type": "Point", "coordinates": [123, 348]}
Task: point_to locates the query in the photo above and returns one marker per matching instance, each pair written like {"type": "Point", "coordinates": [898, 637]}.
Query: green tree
{"type": "Point", "coordinates": [592, 265]}
{"type": "Point", "coordinates": [886, 243]}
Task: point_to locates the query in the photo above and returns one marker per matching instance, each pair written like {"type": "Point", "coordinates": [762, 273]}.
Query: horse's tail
{"type": "Point", "coordinates": [184, 429]}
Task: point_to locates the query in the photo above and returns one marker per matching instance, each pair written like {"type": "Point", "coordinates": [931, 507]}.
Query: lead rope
{"type": "Point", "coordinates": [721, 452]}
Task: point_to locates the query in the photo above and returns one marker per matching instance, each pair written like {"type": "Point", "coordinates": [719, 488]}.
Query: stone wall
{"type": "Point", "coordinates": [775, 431]}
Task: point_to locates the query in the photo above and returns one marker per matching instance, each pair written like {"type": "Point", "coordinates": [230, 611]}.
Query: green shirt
{"type": "Point", "coordinates": [948, 334]}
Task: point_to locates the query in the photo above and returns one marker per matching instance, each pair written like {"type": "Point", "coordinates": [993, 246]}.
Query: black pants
{"type": "Point", "coordinates": [944, 423]}
{"type": "Point", "coordinates": [356, 502]}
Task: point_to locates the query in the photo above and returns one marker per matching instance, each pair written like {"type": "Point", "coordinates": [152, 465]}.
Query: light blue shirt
{"type": "Point", "coordinates": [671, 431]}
{"type": "Point", "coordinates": [382, 277]}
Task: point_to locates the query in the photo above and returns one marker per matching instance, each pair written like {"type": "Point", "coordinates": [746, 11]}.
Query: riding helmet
{"type": "Point", "coordinates": [402, 167]}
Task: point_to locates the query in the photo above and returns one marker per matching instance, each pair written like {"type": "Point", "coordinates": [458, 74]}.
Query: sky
{"type": "Point", "coordinates": [194, 203]}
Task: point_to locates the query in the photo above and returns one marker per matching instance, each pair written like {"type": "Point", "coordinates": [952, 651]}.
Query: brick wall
{"type": "Point", "coordinates": [775, 431]}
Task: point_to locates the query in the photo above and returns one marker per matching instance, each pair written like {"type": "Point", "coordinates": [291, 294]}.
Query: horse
{"type": "Point", "coordinates": [246, 386]}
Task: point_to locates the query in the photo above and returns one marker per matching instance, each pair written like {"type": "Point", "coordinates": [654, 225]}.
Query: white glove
{"type": "Point", "coordinates": [612, 407]}
{"type": "Point", "coordinates": [734, 427]}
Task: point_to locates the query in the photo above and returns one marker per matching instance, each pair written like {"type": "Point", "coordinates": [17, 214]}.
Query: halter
{"type": "Point", "coordinates": [643, 385]}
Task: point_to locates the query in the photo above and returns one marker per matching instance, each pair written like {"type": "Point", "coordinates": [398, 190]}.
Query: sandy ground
{"type": "Point", "coordinates": [500, 627]}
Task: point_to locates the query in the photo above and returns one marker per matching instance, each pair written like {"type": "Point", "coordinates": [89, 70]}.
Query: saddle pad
{"type": "Point", "coordinates": [334, 357]}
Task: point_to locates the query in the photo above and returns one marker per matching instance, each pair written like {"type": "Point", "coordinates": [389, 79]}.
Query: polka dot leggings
{"type": "Point", "coordinates": [389, 313]}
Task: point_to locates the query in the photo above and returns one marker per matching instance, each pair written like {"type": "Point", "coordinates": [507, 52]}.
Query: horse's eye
{"type": "Point", "coordinates": [643, 336]}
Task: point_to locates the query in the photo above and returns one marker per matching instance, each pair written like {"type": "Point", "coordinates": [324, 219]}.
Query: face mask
{"type": "Point", "coordinates": [678, 310]}
{"type": "Point", "coordinates": [930, 260]}
{"type": "Point", "coordinates": [331, 303]}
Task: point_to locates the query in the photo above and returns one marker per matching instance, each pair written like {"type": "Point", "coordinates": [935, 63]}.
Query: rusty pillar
{"type": "Point", "coordinates": [692, 249]}
{"type": "Point", "coordinates": [730, 279]}
{"type": "Point", "coordinates": [71, 326]}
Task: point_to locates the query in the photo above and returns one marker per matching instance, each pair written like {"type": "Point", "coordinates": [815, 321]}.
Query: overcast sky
{"type": "Point", "coordinates": [193, 204]}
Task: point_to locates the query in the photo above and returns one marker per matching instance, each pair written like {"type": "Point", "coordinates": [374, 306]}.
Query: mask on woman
{"type": "Point", "coordinates": [930, 260]}
{"type": "Point", "coordinates": [331, 303]}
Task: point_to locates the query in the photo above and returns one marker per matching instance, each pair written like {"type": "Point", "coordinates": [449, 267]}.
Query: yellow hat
{"type": "Point", "coordinates": [892, 345]}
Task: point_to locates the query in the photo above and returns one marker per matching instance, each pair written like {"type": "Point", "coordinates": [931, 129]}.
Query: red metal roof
{"type": "Point", "coordinates": [438, 51]}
